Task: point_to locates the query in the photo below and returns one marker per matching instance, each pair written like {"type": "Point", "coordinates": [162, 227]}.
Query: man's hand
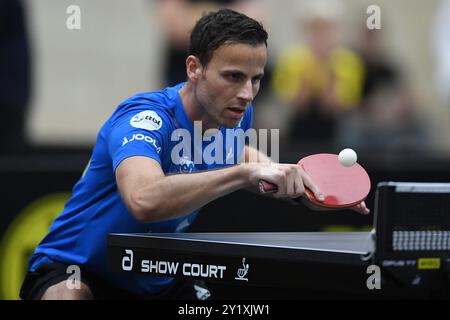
{"type": "Point", "coordinates": [290, 179]}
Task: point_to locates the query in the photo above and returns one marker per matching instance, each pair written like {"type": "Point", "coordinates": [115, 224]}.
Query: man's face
{"type": "Point", "coordinates": [229, 82]}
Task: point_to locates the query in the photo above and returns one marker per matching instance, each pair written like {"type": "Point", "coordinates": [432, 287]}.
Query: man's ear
{"type": "Point", "coordinates": [193, 68]}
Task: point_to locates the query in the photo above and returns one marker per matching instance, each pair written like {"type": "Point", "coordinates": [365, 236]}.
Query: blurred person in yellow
{"type": "Point", "coordinates": [321, 79]}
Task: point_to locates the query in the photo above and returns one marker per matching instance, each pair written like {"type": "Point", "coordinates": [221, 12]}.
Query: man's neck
{"type": "Point", "coordinates": [193, 109]}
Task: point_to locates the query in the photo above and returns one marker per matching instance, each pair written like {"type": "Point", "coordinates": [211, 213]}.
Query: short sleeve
{"type": "Point", "coordinates": [142, 132]}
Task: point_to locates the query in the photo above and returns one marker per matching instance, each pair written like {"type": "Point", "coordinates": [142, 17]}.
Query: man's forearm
{"type": "Point", "coordinates": [177, 195]}
{"type": "Point", "coordinates": [172, 196]}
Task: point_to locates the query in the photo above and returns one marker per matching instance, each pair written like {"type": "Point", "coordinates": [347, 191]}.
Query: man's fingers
{"type": "Point", "coordinates": [290, 188]}
{"type": "Point", "coordinates": [364, 207]}
{"type": "Point", "coordinates": [312, 186]}
{"type": "Point", "coordinates": [299, 188]}
{"type": "Point", "coordinates": [361, 208]}
{"type": "Point", "coordinates": [313, 206]}
{"type": "Point", "coordinates": [281, 184]}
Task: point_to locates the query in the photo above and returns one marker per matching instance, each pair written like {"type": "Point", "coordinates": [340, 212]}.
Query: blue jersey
{"type": "Point", "coordinates": [150, 124]}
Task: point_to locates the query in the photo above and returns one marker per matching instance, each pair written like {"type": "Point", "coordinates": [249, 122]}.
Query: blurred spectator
{"type": "Point", "coordinates": [14, 75]}
{"type": "Point", "coordinates": [379, 71]}
{"type": "Point", "coordinates": [320, 80]}
{"type": "Point", "coordinates": [387, 116]}
{"type": "Point", "coordinates": [178, 18]}
{"type": "Point", "coordinates": [441, 48]}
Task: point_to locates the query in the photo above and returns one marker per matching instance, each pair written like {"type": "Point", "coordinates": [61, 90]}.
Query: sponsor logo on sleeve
{"type": "Point", "coordinates": [141, 137]}
{"type": "Point", "coordinates": [148, 120]}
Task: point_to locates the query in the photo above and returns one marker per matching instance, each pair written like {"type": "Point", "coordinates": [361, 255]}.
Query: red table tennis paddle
{"type": "Point", "coordinates": [342, 187]}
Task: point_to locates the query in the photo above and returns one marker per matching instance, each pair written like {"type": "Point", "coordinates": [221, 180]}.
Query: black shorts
{"type": "Point", "coordinates": [49, 274]}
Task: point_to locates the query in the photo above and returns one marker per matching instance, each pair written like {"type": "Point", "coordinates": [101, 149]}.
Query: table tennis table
{"type": "Point", "coordinates": [410, 244]}
{"type": "Point", "coordinates": [269, 259]}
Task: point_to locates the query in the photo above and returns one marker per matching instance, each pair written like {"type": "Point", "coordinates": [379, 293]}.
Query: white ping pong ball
{"type": "Point", "coordinates": [347, 157]}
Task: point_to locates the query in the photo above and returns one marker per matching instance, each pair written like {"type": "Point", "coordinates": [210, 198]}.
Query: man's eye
{"type": "Point", "coordinates": [234, 77]}
{"type": "Point", "coordinates": [256, 80]}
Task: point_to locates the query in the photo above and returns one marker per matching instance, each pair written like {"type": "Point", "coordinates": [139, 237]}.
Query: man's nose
{"type": "Point", "coordinates": [246, 92]}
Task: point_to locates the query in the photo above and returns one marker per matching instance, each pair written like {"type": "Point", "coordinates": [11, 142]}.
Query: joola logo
{"type": "Point", "coordinates": [141, 137]}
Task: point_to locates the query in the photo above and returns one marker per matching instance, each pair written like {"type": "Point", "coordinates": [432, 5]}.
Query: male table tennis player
{"type": "Point", "coordinates": [127, 187]}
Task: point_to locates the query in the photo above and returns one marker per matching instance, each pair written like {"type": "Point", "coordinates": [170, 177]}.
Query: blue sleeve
{"type": "Point", "coordinates": [142, 132]}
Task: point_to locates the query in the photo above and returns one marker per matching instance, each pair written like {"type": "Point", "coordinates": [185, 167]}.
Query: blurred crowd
{"type": "Point", "coordinates": [323, 92]}
{"type": "Point", "coordinates": [332, 94]}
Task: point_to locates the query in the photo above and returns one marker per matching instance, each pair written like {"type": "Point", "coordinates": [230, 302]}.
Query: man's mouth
{"type": "Point", "coordinates": [236, 112]}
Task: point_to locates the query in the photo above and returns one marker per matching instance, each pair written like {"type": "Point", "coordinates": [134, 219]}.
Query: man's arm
{"type": "Point", "coordinates": [152, 196]}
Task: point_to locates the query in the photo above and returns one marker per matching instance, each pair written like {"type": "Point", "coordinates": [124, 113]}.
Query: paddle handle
{"type": "Point", "coordinates": [267, 187]}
